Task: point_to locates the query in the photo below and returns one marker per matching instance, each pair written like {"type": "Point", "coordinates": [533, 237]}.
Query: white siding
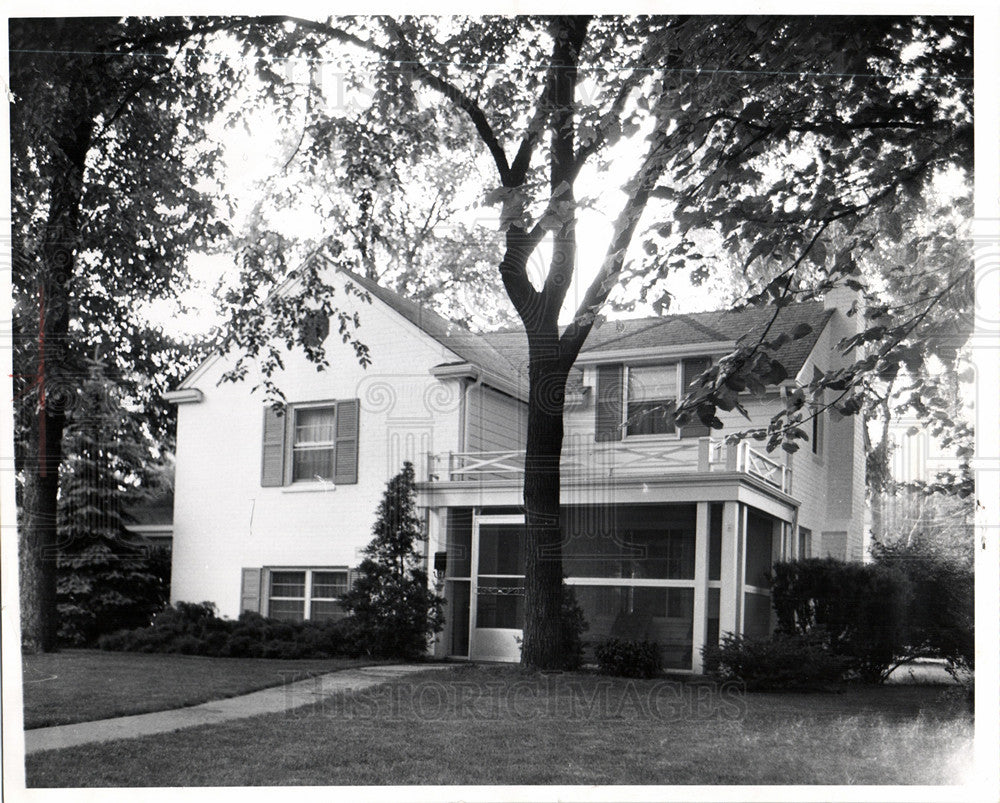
{"type": "Point", "coordinates": [494, 421]}
{"type": "Point", "coordinates": [225, 521]}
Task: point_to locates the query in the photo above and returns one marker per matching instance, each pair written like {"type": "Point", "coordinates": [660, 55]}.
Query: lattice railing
{"type": "Point", "coordinates": [617, 460]}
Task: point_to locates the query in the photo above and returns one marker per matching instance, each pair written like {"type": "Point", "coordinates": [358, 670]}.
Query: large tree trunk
{"type": "Point", "coordinates": [542, 645]}
{"type": "Point", "coordinates": [54, 389]}
{"type": "Point", "coordinates": [38, 543]}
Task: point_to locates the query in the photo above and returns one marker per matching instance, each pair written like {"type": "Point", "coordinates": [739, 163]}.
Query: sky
{"type": "Point", "coordinates": [253, 157]}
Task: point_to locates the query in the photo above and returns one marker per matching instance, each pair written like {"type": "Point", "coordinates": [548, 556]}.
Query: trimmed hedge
{"type": "Point", "coordinates": [195, 629]}
{"type": "Point", "coordinates": [782, 662]}
{"type": "Point", "coordinates": [629, 659]}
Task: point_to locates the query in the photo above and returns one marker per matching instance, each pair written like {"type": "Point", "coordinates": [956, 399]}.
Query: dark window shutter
{"type": "Point", "coordinates": [250, 590]}
{"type": "Point", "coordinates": [345, 471]}
{"type": "Point", "coordinates": [272, 463]}
{"type": "Point", "coordinates": [608, 422]}
{"type": "Point", "coordinates": [691, 370]}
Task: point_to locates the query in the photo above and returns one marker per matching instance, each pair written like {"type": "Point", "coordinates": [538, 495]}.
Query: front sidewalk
{"type": "Point", "coordinates": [266, 701]}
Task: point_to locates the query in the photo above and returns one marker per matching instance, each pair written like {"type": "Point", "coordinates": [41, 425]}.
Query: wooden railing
{"type": "Point", "coordinates": [760, 465]}
{"type": "Point", "coordinates": [618, 459]}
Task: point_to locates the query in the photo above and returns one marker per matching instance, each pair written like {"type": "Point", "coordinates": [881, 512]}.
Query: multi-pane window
{"type": "Point", "coordinates": [287, 598]}
{"type": "Point", "coordinates": [313, 446]}
{"type": "Point", "coordinates": [327, 590]}
{"type": "Point", "coordinates": [294, 596]}
{"type": "Point", "coordinates": [653, 393]}
{"type": "Point", "coordinates": [652, 396]}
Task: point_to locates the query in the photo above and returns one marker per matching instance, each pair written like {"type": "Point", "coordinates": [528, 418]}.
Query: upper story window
{"type": "Point", "coordinates": [314, 447]}
{"type": "Point", "coordinates": [818, 412]}
{"type": "Point", "coordinates": [311, 442]}
{"type": "Point", "coordinates": [652, 393]}
{"type": "Point", "coordinates": [652, 396]}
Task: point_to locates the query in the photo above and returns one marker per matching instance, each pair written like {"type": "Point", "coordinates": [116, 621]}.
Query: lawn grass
{"type": "Point", "coordinates": [83, 685]}
{"type": "Point", "coordinates": [501, 726]}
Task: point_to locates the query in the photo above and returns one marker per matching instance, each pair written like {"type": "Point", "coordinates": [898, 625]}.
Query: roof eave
{"type": "Point", "coordinates": [468, 370]}
{"type": "Point", "coordinates": [656, 353]}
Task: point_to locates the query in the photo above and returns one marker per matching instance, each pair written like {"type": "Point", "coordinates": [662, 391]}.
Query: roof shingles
{"type": "Point", "coordinates": [504, 353]}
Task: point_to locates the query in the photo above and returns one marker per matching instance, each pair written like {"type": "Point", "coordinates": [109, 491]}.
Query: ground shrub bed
{"type": "Point", "coordinates": [195, 629]}
{"type": "Point", "coordinates": [628, 659]}
{"type": "Point", "coordinates": [800, 662]}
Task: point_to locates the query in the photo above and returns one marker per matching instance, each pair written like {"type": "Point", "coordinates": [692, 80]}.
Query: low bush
{"type": "Point", "coordinates": [629, 659]}
{"type": "Point", "coordinates": [195, 629]}
{"type": "Point", "coordinates": [573, 624]}
{"type": "Point", "coordinates": [782, 662]}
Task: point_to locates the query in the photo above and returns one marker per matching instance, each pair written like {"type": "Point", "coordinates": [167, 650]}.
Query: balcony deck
{"type": "Point", "coordinates": [624, 460]}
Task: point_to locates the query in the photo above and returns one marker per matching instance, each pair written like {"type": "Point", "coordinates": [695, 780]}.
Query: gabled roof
{"type": "Point", "coordinates": [502, 355]}
{"type": "Point", "coordinates": [715, 327]}
{"type": "Point", "coordinates": [698, 328]}
{"type": "Point", "coordinates": [470, 347]}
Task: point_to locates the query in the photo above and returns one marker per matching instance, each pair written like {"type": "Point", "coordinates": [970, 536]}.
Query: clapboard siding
{"type": "Point", "coordinates": [494, 421]}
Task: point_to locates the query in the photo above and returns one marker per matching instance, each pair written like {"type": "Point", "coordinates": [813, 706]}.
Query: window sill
{"type": "Point", "coordinates": [309, 487]}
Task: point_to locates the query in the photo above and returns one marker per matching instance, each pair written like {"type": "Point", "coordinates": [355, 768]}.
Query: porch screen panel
{"type": "Point", "coordinates": [645, 542]}
{"type": "Point", "coordinates": [759, 550]}
{"type": "Point", "coordinates": [714, 541]}
{"type": "Point", "coordinates": [458, 529]}
{"type": "Point", "coordinates": [757, 615]}
{"type": "Point", "coordinates": [663, 615]}
{"type": "Point", "coordinates": [457, 615]}
{"type": "Point", "coordinates": [458, 585]}
{"type": "Point", "coordinates": [712, 617]}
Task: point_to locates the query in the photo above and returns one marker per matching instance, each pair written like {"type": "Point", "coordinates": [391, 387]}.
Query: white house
{"type": "Point", "coordinates": [668, 533]}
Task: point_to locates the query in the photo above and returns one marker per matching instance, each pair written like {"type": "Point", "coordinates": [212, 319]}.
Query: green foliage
{"type": "Point", "coordinates": [393, 611]}
{"type": "Point", "coordinates": [107, 579]}
{"type": "Point", "coordinates": [124, 98]}
{"type": "Point", "coordinates": [860, 607]}
{"type": "Point", "coordinates": [940, 614]}
{"type": "Point", "coordinates": [629, 659]}
{"type": "Point", "coordinates": [194, 629]}
{"type": "Point", "coordinates": [574, 625]}
{"type": "Point", "coordinates": [784, 661]}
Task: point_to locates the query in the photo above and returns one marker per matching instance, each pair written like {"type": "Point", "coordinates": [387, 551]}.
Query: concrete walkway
{"type": "Point", "coordinates": [266, 701]}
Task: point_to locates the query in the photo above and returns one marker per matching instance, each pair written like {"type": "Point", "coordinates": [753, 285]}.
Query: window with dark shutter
{"type": "Point", "coordinates": [311, 443]}
{"type": "Point", "coordinates": [652, 397]}
{"type": "Point", "coordinates": [346, 457]}
{"type": "Point", "coordinates": [250, 590]}
{"type": "Point", "coordinates": [608, 406]}
{"type": "Point", "coordinates": [691, 369]}
{"type": "Point", "coordinates": [272, 464]}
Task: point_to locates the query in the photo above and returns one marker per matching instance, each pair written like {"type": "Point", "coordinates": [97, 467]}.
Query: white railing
{"type": "Point", "coordinates": [760, 465]}
{"type": "Point", "coordinates": [617, 459]}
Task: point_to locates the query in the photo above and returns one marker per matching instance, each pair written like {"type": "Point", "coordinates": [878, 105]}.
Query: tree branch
{"type": "Point", "coordinates": [458, 98]}
{"type": "Point", "coordinates": [573, 338]}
